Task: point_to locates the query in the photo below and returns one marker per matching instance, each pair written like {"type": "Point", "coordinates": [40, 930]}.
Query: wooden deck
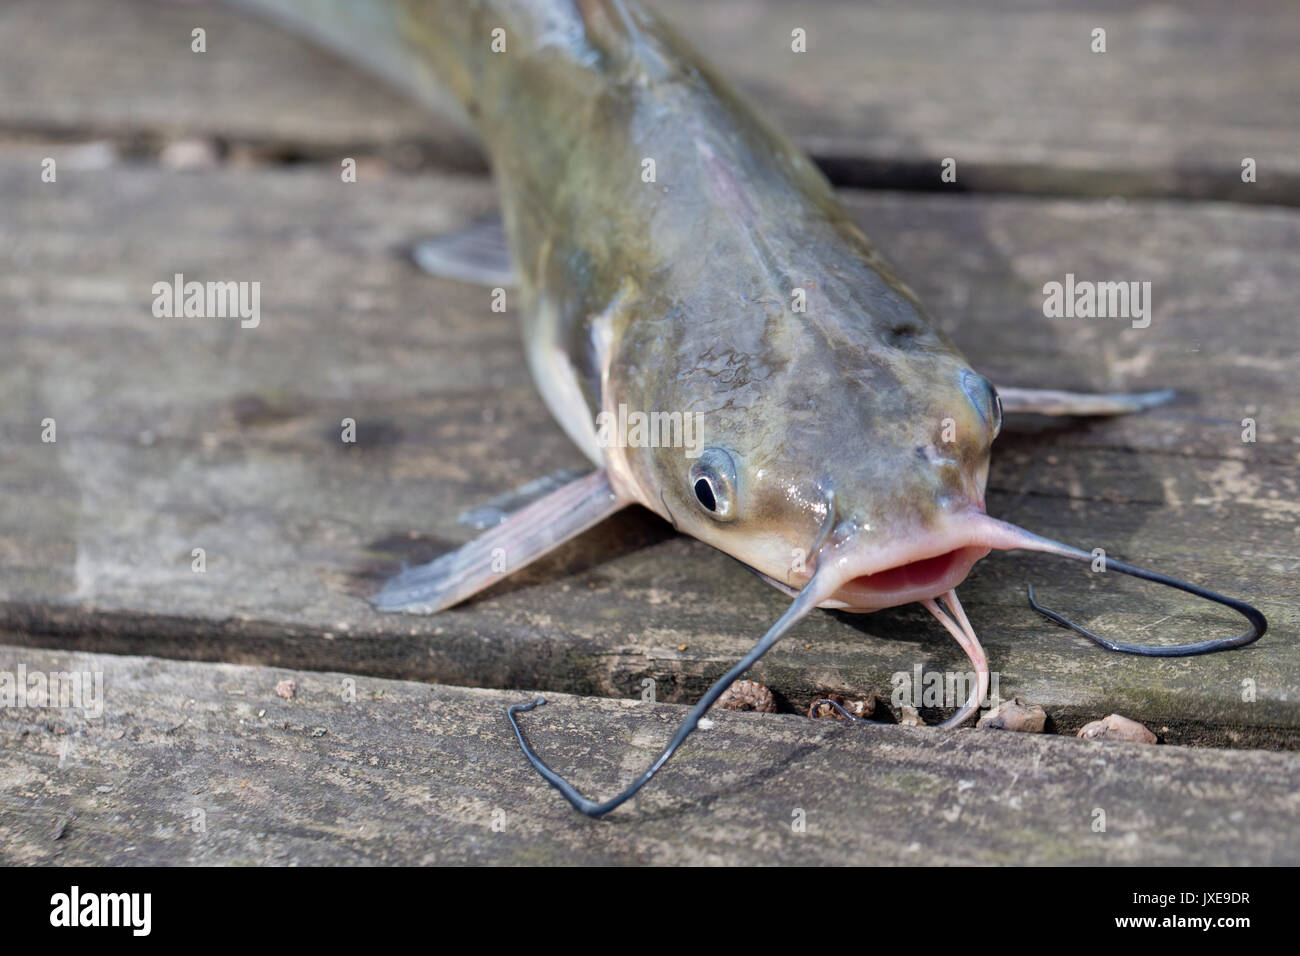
{"type": "Point", "coordinates": [175, 435]}
{"type": "Point", "coordinates": [205, 763]}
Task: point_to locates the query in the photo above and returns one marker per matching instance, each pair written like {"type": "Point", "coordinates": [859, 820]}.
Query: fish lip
{"type": "Point", "coordinates": [962, 541]}
{"type": "Point", "coordinates": [859, 593]}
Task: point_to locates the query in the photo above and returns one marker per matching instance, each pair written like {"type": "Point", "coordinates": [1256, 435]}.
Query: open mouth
{"type": "Point", "coordinates": [916, 580]}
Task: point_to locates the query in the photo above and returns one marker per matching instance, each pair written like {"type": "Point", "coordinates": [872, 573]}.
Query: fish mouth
{"type": "Point", "coordinates": [918, 578]}
{"type": "Point", "coordinates": [920, 567]}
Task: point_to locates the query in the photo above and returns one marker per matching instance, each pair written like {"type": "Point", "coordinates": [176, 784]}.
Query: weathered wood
{"type": "Point", "coordinates": [183, 434]}
{"type": "Point", "coordinates": [205, 764]}
{"type": "Point", "coordinates": [1008, 88]}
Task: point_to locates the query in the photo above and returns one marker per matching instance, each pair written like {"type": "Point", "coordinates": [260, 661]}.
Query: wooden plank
{"type": "Point", "coordinates": [205, 764]}
{"type": "Point", "coordinates": [1011, 90]}
{"type": "Point", "coordinates": [124, 69]}
{"type": "Point", "coordinates": [175, 435]}
{"type": "Point", "coordinates": [1008, 88]}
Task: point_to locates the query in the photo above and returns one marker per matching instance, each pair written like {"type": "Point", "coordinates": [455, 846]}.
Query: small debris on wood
{"type": "Point", "coordinates": [748, 695]}
{"type": "Point", "coordinates": [85, 157]}
{"type": "Point", "coordinates": [909, 717]}
{"type": "Point", "coordinates": [61, 827]}
{"type": "Point", "coordinates": [863, 708]}
{"type": "Point", "coordinates": [682, 647]}
{"type": "Point", "coordinates": [175, 727]}
{"type": "Point", "coordinates": [1015, 714]}
{"type": "Point", "coordinates": [190, 154]}
{"type": "Point", "coordinates": [1116, 727]}
{"type": "Point", "coordinates": [286, 689]}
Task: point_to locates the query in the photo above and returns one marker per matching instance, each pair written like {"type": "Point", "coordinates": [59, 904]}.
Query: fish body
{"type": "Point", "coordinates": [675, 254]}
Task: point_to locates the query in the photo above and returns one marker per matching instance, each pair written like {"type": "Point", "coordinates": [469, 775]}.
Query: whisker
{"type": "Point", "coordinates": [955, 621]}
{"type": "Point", "coordinates": [1009, 537]}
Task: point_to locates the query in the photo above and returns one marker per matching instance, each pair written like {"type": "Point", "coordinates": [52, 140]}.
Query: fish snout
{"type": "Point", "coordinates": [908, 568]}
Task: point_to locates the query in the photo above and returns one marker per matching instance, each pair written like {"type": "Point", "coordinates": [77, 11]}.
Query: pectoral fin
{"type": "Point", "coordinates": [497, 509]}
{"type": "Point", "coordinates": [477, 253]}
{"type": "Point", "coordinates": [515, 543]}
{"type": "Point", "coordinates": [1044, 401]}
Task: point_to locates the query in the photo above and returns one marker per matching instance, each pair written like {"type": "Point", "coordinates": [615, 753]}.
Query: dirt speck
{"type": "Point", "coordinates": [748, 695]}
{"type": "Point", "coordinates": [1119, 728]}
{"type": "Point", "coordinates": [1015, 714]}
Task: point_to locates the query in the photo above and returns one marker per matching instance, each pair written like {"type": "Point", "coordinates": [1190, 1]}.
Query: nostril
{"type": "Point", "coordinates": [933, 456]}
{"type": "Point", "coordinates": [903, 335]}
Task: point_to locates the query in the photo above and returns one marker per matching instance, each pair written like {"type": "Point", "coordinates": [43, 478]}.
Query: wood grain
{"type": "Point", "coordinates": [206, 764]}
{"type": "Point", "coordinates": [1010, 89]}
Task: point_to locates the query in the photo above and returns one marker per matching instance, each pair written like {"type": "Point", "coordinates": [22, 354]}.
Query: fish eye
{"type": "Point", "coordinates": [713, 482]}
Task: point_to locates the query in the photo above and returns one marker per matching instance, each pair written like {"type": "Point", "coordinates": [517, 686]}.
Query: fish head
{"type": "Point", "coordinates": [866, 463]}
